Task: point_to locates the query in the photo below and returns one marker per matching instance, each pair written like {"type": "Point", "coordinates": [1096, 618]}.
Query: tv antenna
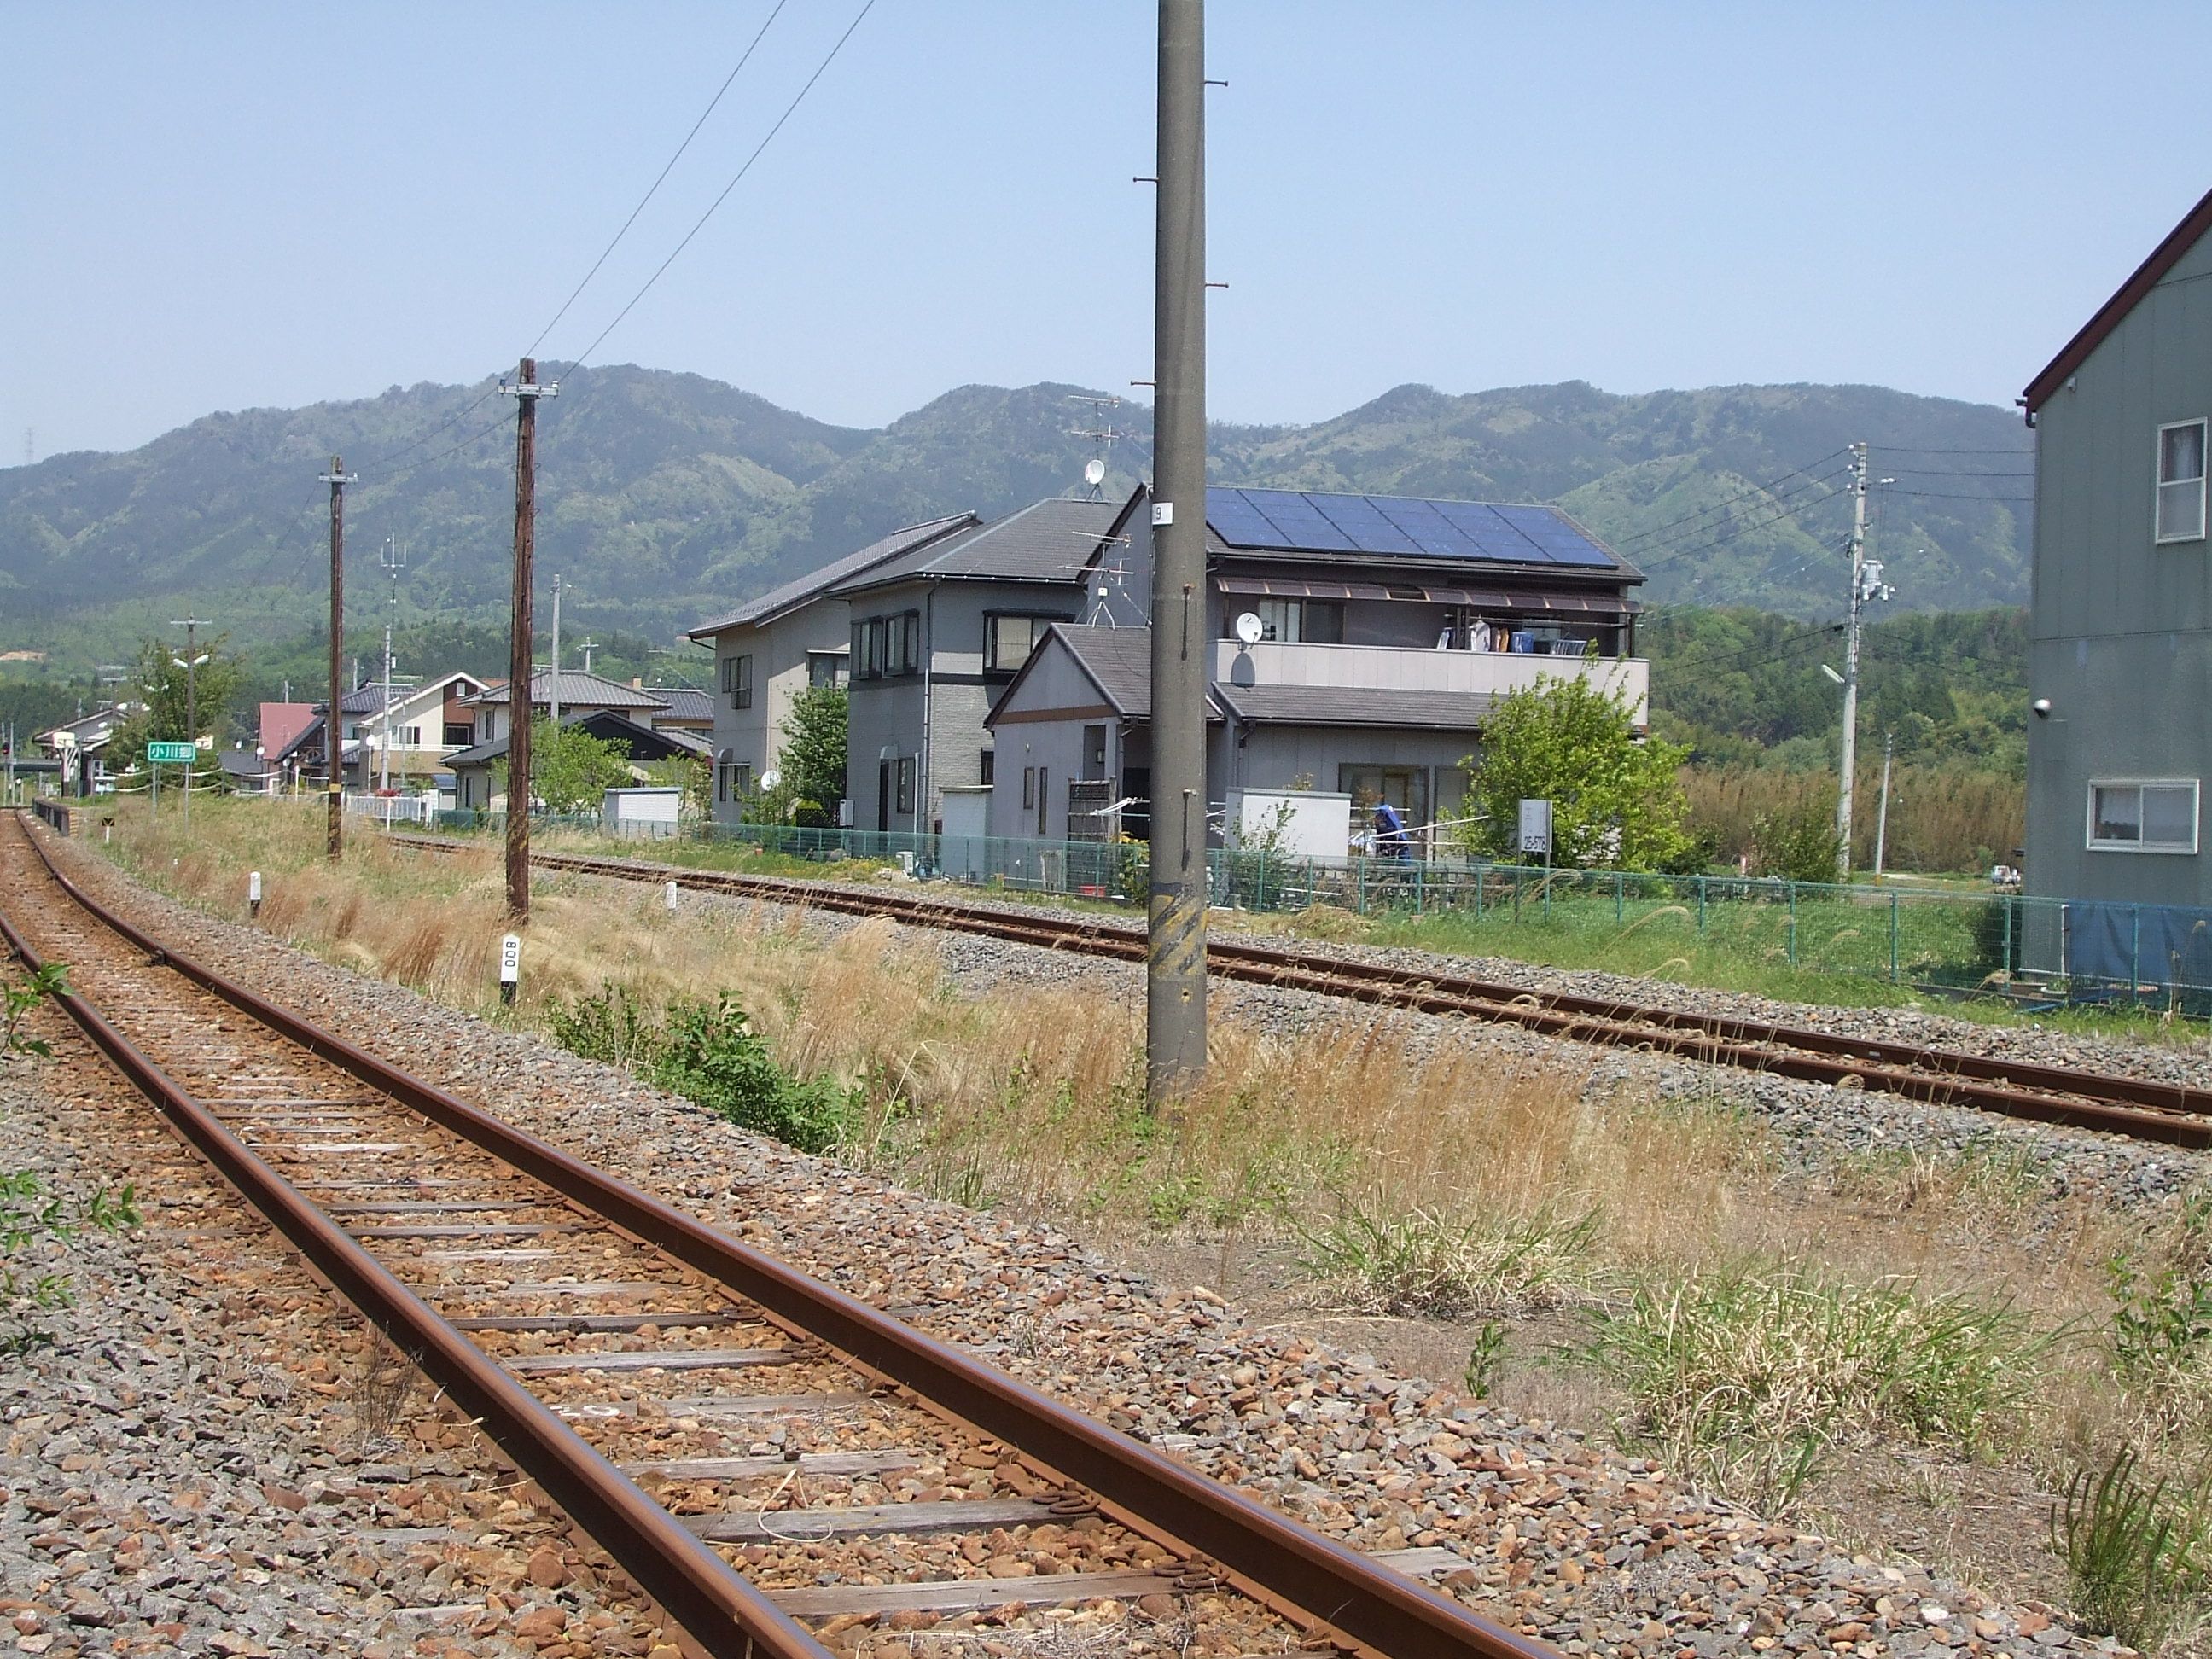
{"type": "Point", "coordinates": [1094, 469]}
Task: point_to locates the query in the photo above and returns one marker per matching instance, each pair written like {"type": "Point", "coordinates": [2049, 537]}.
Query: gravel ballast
{"type": "Point", "coordinates": [1594, 1551]}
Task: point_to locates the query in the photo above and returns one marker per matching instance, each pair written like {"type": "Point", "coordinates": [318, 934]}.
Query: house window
{"type": "Point", "coordinates": [1094, 749]}
{"type": "Point", "coordinates": [906, 785]}
{"type": "Point", "coordinates": [733, 780]}
{"type": "Point", "coordinates": [1028, 787]}
{"type": "Point", "coordinates": [738, 681]}
{"type": "Point", "coordinates": [1008, 640]}
{"type": "Point", "coordinates": [1044, 803]}
{"type": "Point", "coordinates": [459, 736]}
{"type": "Point", "coordinates": [2181, 482]}
{"type": "Point", "coordinates": [2144, 815]}
{"type": "Point", "coordinates": [884, 646]}
{"type": "Point", "coordinates": [987, 771]}
{"type": "Point", "coordinates": [827, 667]}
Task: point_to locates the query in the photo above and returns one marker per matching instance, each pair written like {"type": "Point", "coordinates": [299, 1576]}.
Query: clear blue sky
{"type": "Point", "coordinates": [225, 205]}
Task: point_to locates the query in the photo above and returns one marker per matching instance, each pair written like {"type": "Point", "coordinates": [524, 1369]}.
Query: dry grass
{"type": "Point", "coordinates": [1941, 818]}
{"type": "Point", "coordinates": [1482, 1177]}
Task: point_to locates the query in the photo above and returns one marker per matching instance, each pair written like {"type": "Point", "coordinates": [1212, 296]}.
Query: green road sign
{"type": "Point", "coordinates": [172, 754]}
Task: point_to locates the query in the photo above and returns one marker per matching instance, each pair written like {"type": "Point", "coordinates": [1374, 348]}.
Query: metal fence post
{"type": "Point", "coordinates": [1793, 924]}
{"type": "Point", "coordinates": [1479, 872]}
{"type": "Point", "coordinates": [1420, 888]}
{"type": "Point", "coordinates": [2134, 951]}
{"type": "Point", "coordinates": [1359, 885]}
{"type": "Point", "coordinates": [1619, 915]}
{"type": "Point", "coordinates": [1701, 907]}
{"type": "Point", "coordinates": [1893, 936]}
{"type": "Point", "coordinates": [2006, 965]}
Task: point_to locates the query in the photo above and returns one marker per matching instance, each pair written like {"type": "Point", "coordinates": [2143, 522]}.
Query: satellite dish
{"type": "Point", "coordinates": [1094, 471]}
{"type": "Point", "coordinates": [1249, 628]}
{"type": "Point", "coordinates": [769, 779]}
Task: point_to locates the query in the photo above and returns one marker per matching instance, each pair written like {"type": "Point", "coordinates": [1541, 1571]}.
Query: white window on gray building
{"type": "Point", "coordinates": [2143, 815]}
{"type": "Point", "coordinates": [738, 681]}
{"type": "Point", "coordinates": [1008, 640]}
{"type": "Point", "coordinates": [828, 667]}
{"type": "Point", "coordinates": [2181, 482]}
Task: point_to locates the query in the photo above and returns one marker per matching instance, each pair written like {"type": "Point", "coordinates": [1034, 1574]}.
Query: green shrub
{"type": "Point", "coordinates": [1422, 1265]}
{"type": "Point", "coordinates": [708, 1053]}
{"type": "Point", "coordinates": [1796, 846]}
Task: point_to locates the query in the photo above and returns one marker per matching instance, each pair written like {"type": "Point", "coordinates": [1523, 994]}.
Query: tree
{"type": "Point", "coordinates": [812, 761]}
{"type": "Point", "coordinates": [170, 695]}
{"type": "Point", "coordinates": [570, 770]}
{"type": "Point", "coordinates": [1614, 801]}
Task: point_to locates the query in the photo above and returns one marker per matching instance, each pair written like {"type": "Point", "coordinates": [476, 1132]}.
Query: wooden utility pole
{"type": "Point", "coordinates": [334, 719]}
{"type": "Point", "coordinates": [525, 391]}
{"type": "Point", "coordinates": [1174, 944]}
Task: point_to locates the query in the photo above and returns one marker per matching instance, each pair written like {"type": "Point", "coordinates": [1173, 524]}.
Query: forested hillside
{"type": "Point", "coordinates": [664, 495]}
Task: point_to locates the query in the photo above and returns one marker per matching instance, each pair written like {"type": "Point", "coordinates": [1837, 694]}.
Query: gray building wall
{"type": "Point", "coordinates": [751, 737]}
{"type": "Point", "coordinates": [2120, 626]}
{"type": "Point", "coordinates": [887, 715]}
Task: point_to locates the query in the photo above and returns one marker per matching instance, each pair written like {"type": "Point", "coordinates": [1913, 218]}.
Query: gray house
{"type": "Point", "coordinates": [771, 648]}
{"type": "Point", "coordinates": [2120, 634]}
{"type": "Point", "coordinates": [1377, 633]}
{"type": "Point", "coordinates": [936, 634]}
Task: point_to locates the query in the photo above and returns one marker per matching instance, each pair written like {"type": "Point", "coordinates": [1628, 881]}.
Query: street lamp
{"type": "Point", "coordinates": [191, 665]}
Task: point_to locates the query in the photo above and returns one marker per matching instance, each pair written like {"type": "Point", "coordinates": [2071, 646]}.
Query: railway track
{"type": "Point", "coordinates": [772, 1461]}
{"type": "Point", "coordinates": [2140, 1109]}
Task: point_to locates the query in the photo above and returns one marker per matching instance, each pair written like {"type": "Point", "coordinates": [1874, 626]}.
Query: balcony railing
{"type": "Point", "coordinates": [1407, 668]}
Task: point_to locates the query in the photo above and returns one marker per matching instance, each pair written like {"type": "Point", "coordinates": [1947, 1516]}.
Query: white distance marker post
{"type": "Point", "coordinates": [672, 898]}
{"type": "Point", "coordinates": [510, 966]}
{"type": "Point", "coordinates": [253, 895]}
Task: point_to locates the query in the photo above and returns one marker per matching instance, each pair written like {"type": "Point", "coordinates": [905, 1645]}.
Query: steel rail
{"type": "Point", "coordinates": [1284, 1564]}
{"type": "Point", "coordinates": [2139, 1108]}
{"type": "Point", "coordinates": [721, 1610]}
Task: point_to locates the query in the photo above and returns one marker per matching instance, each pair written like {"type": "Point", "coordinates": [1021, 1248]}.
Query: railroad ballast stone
{"type": "Point", "coordinates": [1592, 1551]}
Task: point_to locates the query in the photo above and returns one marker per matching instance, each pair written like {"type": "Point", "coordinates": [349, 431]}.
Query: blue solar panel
{"type": "Point", "coordinates": [1296, 520]}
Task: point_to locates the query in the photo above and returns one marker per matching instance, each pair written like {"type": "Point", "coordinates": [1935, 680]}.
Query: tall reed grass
{"type": "Point", "coordinates": [1941, 818]}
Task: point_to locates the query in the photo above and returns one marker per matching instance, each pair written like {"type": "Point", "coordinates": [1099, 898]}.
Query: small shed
{"type": "Point", "coordinates": [652, 813]}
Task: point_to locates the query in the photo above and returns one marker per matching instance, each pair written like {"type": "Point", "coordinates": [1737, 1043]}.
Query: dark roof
{"type": "Point", "coordinates": [1048, 541]}
{"type": "Point", "coordinates": [1117, 660]}
{"type": "Point", "coordinates": [793, 593]}
{"type": "Point", "coordinates": [369, 699]}
{"type": "Point", "coordinates": [1312, 521]}
{"type": "Point", "coordinates": [1345, 705]}
{"type": "Point", "coordinates": [685, 703]}
{"type": "Point", "coordinates": [243, 763]}
{"type": "Point", "coordinates": [577, 689]}
{"type": "Point", "coordinates": [2147, 276]}
{"type": "Point", "coordinates": [657, 743]}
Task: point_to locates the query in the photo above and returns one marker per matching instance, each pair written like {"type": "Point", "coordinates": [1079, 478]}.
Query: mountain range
{"type": "Point", "coordinates": [662, 496]}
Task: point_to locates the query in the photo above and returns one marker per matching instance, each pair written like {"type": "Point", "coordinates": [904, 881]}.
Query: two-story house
{"type": "Point", "coordinates": [937, 634]}
{"type": "Point", "coordinates": [426, 723]}
{"type": "Point", "coordinates": [647, 726]}
{"type": "Point", "coordinates": [2120, 625]}
{"type": "Point", "coordinates": [1355, 644]}
{"type": "Point", "coordinates": [773, 647]}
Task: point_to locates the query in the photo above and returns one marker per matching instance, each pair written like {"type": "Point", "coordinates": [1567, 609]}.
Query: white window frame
{"type": "Point", "coordinates": [2196, 815]}
{"type": "Point", "coordinates": [2160, 484]}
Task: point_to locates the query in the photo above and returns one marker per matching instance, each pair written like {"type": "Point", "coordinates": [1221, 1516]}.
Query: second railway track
{"type": "Point", "coordinates": [630, 1359]}
{"type": "Point", "coordinates": [2140, 1109]}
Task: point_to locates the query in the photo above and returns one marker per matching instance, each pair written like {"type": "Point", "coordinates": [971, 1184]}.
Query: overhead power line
{"type": "Point", "coordinates": [790, 110]}
{"type": "Point", "coordinates": [1755, 490]}
{"type": "Point", "coordinates": [659, 178]}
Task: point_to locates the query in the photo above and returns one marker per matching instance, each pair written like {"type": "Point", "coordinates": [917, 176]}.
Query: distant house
{"type": "Point", "coordinates": [478, 780]}
{"type": "Point", "coordinates": [578, 693]}
{"type": "Point", "coordinates": [937, 634]}
{"type": "Point", "coordinates": [2120, 631]}
{"type": "Point", "coordinates": [1383, 629]}
{"type": "Point", "coordinates": [770, 649]}
{"type": "Point", "coordinates": [79, 746]}
{"type": "Point", "coordinates": [426, 723]}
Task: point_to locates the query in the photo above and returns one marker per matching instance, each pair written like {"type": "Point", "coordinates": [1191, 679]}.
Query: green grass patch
{"type": "Point", "coordinates": [1425, 1265]}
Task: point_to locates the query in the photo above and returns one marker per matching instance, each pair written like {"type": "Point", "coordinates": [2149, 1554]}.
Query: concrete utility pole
{"type": "Point", "coordinates": [525, 391]}
{"type": "Point", "coordinates": [190, 662]}
{"type": "Point", "coordinates": [334, 721]}
{"type": "Point", "coordinates": [1175, 949]}
{"type": "Point", "coordinates": [395, 561]}
{"type": "Point", "coordinates": [1881, 818]}
{"type": "Point", "coordinates": [1866, 586]}
{"type": "Point", "coordinates": [553, 680]}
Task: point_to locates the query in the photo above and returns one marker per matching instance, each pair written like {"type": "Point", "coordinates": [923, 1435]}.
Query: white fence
{"type": "Point", "coordinates": [388, 809]}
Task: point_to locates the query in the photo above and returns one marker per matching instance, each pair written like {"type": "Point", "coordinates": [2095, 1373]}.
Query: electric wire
{"type": "Point", "coordinates": [1767, 487]}
{"type": "Point", "coordinates": [790, 110]}
{"type": "Point", "coordinates": [660, 179]}
{"type": "Point", "coordinates": [1955, 495]}
{"type": "Point", "coordinates": [1775, 513]}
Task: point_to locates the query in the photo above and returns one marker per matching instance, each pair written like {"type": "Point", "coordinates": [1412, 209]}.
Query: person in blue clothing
{"type": "Point", "coordinates": [1390, 833]}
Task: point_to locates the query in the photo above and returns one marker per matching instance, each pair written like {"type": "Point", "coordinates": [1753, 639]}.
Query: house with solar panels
{"type": "Point", "coordinates": [1356, 644]}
